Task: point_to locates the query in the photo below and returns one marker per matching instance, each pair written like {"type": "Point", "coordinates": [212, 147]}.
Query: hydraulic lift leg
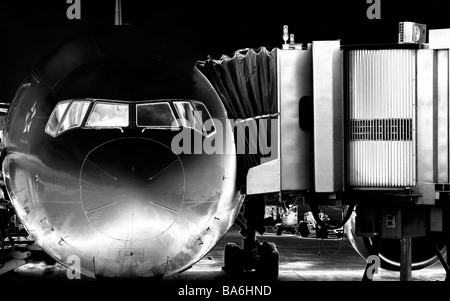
{"type": "Point", "coordinates": [242, 258]}
{"type": "Point", "coordinates": [405, 259]}
{"type": "Point", "coordinates": [254, 214]}
{"type": "Point", "coordinates": [262, 257]}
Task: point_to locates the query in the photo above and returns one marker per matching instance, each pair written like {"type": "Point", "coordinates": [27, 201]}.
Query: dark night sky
{"type": "Point", "coordinates": [29, 28]}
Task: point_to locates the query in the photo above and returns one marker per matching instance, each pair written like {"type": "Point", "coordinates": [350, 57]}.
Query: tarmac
{"type": "Point", "coordinates": [308, 268]}
{"type": "Point", "coordinates": [305, 259]}
{"type": "Point", "coordinates": [300, 259]}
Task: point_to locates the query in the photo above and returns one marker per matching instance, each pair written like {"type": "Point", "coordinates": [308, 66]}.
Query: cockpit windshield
{"type": "Point", "coordinates": [157, 115]}
{"type": "Point", "coordinates": [109, 114]}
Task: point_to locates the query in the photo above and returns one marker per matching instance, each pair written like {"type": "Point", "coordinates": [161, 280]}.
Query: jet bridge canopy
{"type": "Point", "coordinates": [247, 85]}
{"type": "Point", "coordinates": [246, 82]}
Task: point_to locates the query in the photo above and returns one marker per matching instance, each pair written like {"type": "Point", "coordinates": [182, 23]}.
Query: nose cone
{"type": "Point", "coordinates": [132, 188]}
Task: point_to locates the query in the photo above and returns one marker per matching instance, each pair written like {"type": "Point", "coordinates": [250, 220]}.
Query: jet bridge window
{"type": "Point", "coordinates": [67, 114]}
{"type": "Point", "coordinates": [108, 115]}
{"type": "Point", "coordinates": [155, 115]}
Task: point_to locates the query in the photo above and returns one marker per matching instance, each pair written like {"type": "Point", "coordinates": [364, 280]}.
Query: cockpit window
{"type": "Point", "coordinates": [108, 115]}
{"type": "Point", "coordinates": [74, 116]}
{"type": "Point", "coordinates": [56, 117]}
{"type": "Point", "coordinates": [158, 115]}
{"type": "Point", "coordinates": [205, 117]}
{"type": "Point", "coordinates": [188, 116]}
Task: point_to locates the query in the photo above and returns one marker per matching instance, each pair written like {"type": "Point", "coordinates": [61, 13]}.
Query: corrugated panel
{"type": "Point", "coordinates": [381, 113]}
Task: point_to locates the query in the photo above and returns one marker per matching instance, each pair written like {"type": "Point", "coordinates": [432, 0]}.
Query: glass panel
{"type": "Point", "coordinates": [109, 115]}
{"type": "Point", "coordinates": [155, 115]}
{"type": "Point", "coordinates": [187, 115]}
{"type": "Point", "coordinates": [75, 115]}
{"type": "Point", "coordinates": [205, 117]}
{"type": "Point", "coordinates": [55, 117]}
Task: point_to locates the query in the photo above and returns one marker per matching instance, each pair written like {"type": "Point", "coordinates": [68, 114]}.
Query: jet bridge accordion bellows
{"type": "Point", "coordinates": [381, 117]}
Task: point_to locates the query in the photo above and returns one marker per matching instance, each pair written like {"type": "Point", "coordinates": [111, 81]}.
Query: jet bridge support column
{"type": "Point", "coordinates": [405, 259]}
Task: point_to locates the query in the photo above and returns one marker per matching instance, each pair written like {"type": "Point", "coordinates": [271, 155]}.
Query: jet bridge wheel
{"type": "Point", "coordinates": [233, 258]}
{"type": "Point", "coordinates": [268, 265]}
{"type": "Point", "coordinates": [263, 258]}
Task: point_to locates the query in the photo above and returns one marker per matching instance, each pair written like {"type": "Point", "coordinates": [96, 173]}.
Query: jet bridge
{"type": "Point", "coordinates": [365, 127]}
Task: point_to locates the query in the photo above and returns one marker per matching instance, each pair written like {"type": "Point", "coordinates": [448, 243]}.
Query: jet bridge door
{"type": "Point", "coordinates": [293, 169]}
{"type": "Point", "coordinates": [295, 92]}
{"type": "Point", "coordinates": [311, 138]}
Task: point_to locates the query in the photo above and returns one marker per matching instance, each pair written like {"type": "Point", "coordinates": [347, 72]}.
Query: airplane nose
{"type": "Point", "coordinates": [132, 188]}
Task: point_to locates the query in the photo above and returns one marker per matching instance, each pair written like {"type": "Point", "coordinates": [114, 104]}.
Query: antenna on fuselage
{"type": "Point", "coordinates": [118, 15]}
